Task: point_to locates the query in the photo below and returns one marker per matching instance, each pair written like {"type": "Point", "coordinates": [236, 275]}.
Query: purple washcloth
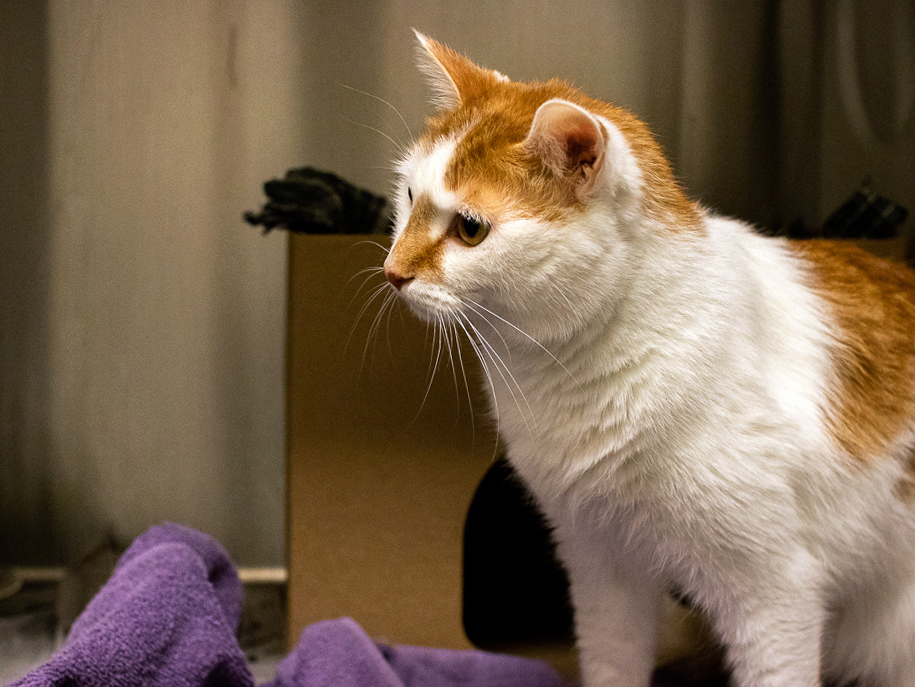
{"type": "Point", "coordinates": [167, 616]}
{"type": "Point", "coordinates": [338, 653]}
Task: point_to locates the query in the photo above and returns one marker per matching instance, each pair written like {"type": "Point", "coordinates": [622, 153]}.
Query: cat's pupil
{"type": "Point", "coordinates": [470, 231]}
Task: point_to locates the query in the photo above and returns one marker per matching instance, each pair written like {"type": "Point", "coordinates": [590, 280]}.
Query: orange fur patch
{"type": "Point", "coordinates": [495, 119]}
{"type": "Point", "coordinates": [872, 304]}
{"type": "Point", "coordinates": [416, 251]}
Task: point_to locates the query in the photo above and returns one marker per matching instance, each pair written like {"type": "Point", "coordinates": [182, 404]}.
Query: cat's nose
{"type": "Point", "coordinates": [396, 278]}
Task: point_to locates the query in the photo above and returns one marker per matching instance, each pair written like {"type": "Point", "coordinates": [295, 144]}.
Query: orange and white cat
{"type": "Point", "coordinates": [695, 406]}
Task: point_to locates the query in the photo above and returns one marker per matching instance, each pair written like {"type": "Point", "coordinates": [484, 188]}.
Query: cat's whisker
{"type": "Point", "coordinates": [371, 269]}
{"type": "Point", "coordinates": [372, 297]}
{"type": "Point", "coordinates": [460, 321]}
{"type": "Point", "coordinates": [397, 144]}
{"type": "Point", "coordinates": [385, 309]}
{"type": "Point", "coordinates": [460, 355]}
{"type": "Point", "coordinates": [371, 272]}
{"type": "Point", "coordinates": [505, 373]}
{"type": "Point", "coordinates": [427, 332]}
{"type": "Point", "coordinates": [369, 242]}
{"type": "Point", "coordinates": [454, 346]}
{"type": "Point", "coordinates": [382, 100]}
{"type": "Point", "coordinates": [400, 313]}
{"type": "Point", "coordinates": [437, 335]}
{"type": "Point", "coordinates": [373, 327]}
{"type": "Point", "coordinates": [482, 316]}
{"type": "Point", "coordinates": [453, 322]}
{"type": "Point", "coordinates": [447, 329]}
{"type": "Point", "coordinates": [473, 305]}
{"type": "Point", "coordinates": [510, 381]}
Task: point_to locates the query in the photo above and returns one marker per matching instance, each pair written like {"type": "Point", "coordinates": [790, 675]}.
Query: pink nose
{"type": "Point", "coordinates": [397, 280]}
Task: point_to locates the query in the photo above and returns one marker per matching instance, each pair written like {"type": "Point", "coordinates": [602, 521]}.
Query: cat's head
{"type": "Point", "coordinates": [529, 202]}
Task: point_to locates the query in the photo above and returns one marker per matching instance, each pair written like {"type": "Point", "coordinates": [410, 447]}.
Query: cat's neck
{"type": "Point", "coordinates": [606, 388]}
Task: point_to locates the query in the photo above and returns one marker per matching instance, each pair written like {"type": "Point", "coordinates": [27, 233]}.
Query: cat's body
{"type": "Point", "coordinates": [695, 407]}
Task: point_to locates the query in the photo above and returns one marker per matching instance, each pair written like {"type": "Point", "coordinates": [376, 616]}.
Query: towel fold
{"type": "Point", "coordinates": [339, 653]}
{"type": "Point", "coordinates": [167, 616]}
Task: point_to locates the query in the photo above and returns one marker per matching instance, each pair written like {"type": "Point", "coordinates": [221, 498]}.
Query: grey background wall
{"type": "Point", "coordinates": [142, 324]}
{"type": "Point", "coordinates": [772, 110]}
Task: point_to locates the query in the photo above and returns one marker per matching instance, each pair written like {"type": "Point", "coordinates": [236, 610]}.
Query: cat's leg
{"type": "Point", "coordinates": [772, 628]}
{"type": "Point", "coordinates": [873, 639]}
{"type": "Point", "coordinates": [616, 604]}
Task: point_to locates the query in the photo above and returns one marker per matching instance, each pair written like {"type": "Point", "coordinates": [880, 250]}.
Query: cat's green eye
{"type": "Point", "coordinates": [471, 231]}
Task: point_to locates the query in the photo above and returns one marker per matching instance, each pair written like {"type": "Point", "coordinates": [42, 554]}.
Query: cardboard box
{"type": "Point", "coordinates": [381, 464]}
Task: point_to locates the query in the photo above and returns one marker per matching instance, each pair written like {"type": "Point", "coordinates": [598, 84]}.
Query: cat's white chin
{"type": "Point", "coordinates": [429, 302]}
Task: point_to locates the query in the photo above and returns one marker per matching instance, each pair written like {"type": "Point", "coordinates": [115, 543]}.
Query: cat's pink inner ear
{"type": "Point", "coordinates": [568, 140]}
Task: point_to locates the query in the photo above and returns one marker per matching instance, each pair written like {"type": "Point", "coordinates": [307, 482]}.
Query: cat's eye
{"type": "Point", "coordinates": [471, 231]}
{"type": "Point", "coordinates": [410, 194]}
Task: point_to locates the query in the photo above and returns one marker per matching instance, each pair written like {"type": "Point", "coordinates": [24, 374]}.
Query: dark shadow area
{"type": "Point", "coordinates": [515, 590]}
{"type": "Point", "coordinates": [25, 509]}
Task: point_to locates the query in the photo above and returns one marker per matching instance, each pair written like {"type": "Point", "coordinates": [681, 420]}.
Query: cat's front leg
{"type": "Point", "coordinates": [616, 604]}
{"type": "Point", "coordinates": [773, 633]}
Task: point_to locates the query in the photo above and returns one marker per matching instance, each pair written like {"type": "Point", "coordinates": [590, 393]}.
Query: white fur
{"type": "Point", "coordinates": [662, 394]}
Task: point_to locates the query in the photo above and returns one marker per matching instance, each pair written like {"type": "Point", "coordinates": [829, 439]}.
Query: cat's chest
{"type": "Point", "coordinates": [564, 414]}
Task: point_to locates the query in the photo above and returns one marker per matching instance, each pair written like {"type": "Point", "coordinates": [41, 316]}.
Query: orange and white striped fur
{"type": "Point", "coordinates": [695, 406]}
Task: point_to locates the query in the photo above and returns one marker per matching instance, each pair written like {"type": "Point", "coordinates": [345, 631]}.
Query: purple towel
{"type": "Point", "coordinates": [169, 614]}
{"type": "Point", "coordinates": [338, 653]}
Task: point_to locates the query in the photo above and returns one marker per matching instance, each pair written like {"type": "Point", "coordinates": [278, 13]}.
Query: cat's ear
{"type": "Point", "coordinates": [454, 77]}
{"type": "Point", "coordinates": [569, 141]}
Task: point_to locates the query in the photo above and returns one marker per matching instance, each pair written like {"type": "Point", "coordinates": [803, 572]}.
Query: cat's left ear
{"type": "Point", "coordinates": [570, 142]}
{"type": "Point", "coordinates": [455, 78]}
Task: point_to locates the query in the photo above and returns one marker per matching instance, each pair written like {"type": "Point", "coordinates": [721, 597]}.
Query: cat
{"type": "Point", "coordinates": [695, 406]}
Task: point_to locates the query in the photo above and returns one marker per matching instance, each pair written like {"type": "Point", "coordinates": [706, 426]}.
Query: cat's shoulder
{"type": "Point", "coordinates": [869, 303]}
